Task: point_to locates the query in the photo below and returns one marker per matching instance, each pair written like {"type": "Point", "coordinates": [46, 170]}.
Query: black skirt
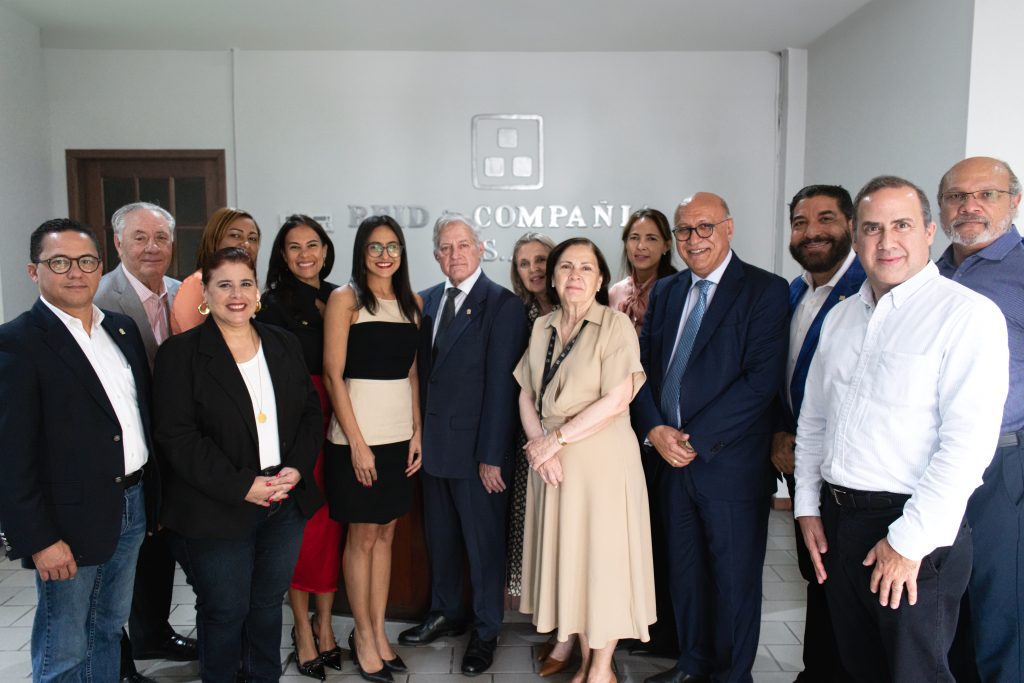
{"type": "Point", "coordinates": [389, 498]}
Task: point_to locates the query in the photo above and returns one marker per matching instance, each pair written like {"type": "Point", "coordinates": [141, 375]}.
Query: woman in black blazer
{"type": "Point", "coordinates": [238, 428]}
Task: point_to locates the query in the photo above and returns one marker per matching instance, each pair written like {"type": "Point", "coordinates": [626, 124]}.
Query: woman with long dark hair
{"type": "Point", "coordinates": [295, 298]}
{"type": "Point", "coordinates": [373, 445]}
{"type": "Point", "coordinates": [646, 256]}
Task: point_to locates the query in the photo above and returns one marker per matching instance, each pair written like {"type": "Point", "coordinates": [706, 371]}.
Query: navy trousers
{"type": "Point", "coordinates": [716, 552]}
{"type": "Point", "coordinates": [462, 520]}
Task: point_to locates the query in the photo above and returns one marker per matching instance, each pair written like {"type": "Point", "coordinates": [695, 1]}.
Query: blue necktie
{"type": "Point", "coordinates": [672, 385]}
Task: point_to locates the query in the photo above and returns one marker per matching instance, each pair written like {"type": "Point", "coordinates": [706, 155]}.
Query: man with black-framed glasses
{"type": "Point", "coordinates": [713, 345]}
{"type": "Point", "coordinates": [82, 487]}
{"type": "Point", "coordinates": [978, 201]}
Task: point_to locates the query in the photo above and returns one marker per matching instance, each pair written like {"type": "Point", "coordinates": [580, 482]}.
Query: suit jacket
{"type": "Point", "coordinates": [733, 376]}
{"type": "Point", "coordinates": [205, 430]}
{"type": "Point", "coordinates": [115, 293]}
{"type": "Point", "coordinates": [468, 394]}
{"type": "Point", "coordinates": [848, 285]}
{"type": "Point", "coordinates": [62, 453]}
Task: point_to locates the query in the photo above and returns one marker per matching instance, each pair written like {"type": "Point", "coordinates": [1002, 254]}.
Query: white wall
{"type": "Point", "coordinates": [24, 170]}
{"type": "Point", "coordinates": [319, 131]}
{"type": "Point", "coordinates": [997, 100]}
{"type": "Point", "coordinates": [888, 91]}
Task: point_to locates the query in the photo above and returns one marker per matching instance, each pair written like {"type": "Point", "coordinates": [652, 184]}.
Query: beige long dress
{"type": "Point", "coordinates": [587, 564]}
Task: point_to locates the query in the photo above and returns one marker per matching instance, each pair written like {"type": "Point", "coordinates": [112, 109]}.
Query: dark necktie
{"type": "Point", "coordinates": [672, 386]}
{"type": "Point", "coordinates": [447, 315]}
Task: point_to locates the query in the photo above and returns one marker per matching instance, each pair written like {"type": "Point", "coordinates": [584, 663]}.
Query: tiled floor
{"type": "Point", "coordinates": [778, 656]}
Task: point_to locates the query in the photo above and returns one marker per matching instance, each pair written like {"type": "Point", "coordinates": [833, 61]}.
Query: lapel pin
{"type": "Point", "coordinates": [842, 297]}
{"type": "Point", "coordinates": [469, 311]}
{"type": "Point", "coordinates": [121, 330]}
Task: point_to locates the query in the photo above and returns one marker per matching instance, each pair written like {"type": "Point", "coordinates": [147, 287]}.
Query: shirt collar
{"type": "Point", "coordinates": [996, 251]}
{"type": "Point", "coordinates": [142, 290]}
{"type": "Point", "coordinates": [69, 320]}
{"type": "Point", "coordinates": [466, 284]}
{"type": "Point", "coordinates": [594, 314]}
{"type": "Point", "coordinates": [902, 292]}
{"type": "Point", "coordinates": [714, 276]}
{"type": "Point", "coordinates": [835, 278]}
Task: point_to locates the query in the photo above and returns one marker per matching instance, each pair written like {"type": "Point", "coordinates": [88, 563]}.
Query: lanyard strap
{"type": "Point", "coordinates": [550, 369]}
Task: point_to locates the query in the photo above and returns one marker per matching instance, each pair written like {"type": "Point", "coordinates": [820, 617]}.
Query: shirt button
{"type": "Point", "coordinates": [117, 438]}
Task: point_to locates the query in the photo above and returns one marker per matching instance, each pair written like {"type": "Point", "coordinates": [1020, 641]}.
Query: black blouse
{"type": "Point", "coordinates": [292, 305]}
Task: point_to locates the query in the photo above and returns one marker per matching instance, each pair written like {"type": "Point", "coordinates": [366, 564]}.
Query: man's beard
{"type": "Point", "coordinates": [824, 261]}
{"type": "Point", "coordinates": [983, 237]}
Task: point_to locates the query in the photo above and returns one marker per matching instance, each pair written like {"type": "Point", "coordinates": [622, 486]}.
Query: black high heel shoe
{"type": "Point", "coordinates": [382, 676]}
{"type": "Point", "coordinates": [314, 668]}
{"type": "Point", "coordinates": [332, 657]}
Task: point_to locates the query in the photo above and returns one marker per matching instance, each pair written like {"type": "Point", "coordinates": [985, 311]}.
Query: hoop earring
{"type": "Point", "coordinates": [259, 305]}
{"type": "Point", "coordinates": [203, 308]}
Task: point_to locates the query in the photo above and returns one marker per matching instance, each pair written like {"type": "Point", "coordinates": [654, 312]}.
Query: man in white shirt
{"type": "Point", "coordinates": [821, 241]}
{"type": "Point", "coordinates": [140, 289]}
{"type": "Point", "coordinates": [900, 418]}
{"type": "Point", "coordinates": [81, 484]}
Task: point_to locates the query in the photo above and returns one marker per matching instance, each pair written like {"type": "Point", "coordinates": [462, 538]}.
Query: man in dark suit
{"type": "Point", "coordinates": [139, 288]}
{"type": "Point", "coordinates": [77, 454]}
{"type": "Point", "coordinates": [713, 345]}
{"type": "Point", "coordinates": [474, 332]}
{"type": "Point", "coordinates": [821, 240]}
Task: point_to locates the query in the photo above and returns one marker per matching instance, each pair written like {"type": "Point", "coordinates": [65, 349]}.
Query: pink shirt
{"type": "Point", "coordinates": [155, 304]}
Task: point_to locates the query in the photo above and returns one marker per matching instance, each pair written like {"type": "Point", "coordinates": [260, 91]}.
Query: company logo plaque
{"type": "Point", "coordinates": [508, 151]}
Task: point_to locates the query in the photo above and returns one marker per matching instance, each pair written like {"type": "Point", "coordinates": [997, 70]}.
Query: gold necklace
{"type": "Point", "coordinates": [261, 416]}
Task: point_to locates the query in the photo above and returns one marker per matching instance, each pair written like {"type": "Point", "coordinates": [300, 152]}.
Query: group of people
{"type": "Point", "coordinates": [605, 451]}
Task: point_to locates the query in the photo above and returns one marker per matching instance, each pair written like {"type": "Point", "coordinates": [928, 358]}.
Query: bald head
{"type": "Point", "coordinates": [705, 222]}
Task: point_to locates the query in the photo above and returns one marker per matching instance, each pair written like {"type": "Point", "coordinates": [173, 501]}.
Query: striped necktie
{"type": "Point", "coordinates": [672, 386]}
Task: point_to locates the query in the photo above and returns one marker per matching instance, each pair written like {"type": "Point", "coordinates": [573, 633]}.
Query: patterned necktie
{"type": "Point", "coordinates": [447, 315]}
{"type": "Point", "coordinates": [671, 387]}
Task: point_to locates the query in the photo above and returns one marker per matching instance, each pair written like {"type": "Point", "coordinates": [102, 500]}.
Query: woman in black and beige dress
{"type": "Point", "coordinates": [371, 335]}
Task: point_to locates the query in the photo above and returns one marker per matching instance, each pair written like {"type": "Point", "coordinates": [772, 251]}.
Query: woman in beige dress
{"type": "Point", "coordinates": [587, 550]}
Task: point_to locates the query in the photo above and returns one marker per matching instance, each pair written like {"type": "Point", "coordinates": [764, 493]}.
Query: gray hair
{"type": "Point", "coordinates": [119, 217]}
{"type": "Point", "coordinates": [1014, 187]}
{"type": "Point", "coordinates": [891, 182]}
{"type": "Point", "coordinates": [449, 217]}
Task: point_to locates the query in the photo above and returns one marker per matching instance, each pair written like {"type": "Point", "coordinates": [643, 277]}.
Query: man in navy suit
{"type": "Point", "coordinates": [77, 457]}
{"type": "Point", "coordinates": [474, 332]}
{"type": "Point", "coordinates": [821, 240]}
{"type": "Point", "coordinates": [713, 345]}
{"type": "Point", "coordinates": [140, 289]}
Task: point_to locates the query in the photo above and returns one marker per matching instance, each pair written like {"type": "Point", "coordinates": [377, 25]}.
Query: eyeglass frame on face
{"type": "Point", "coordinates": [376, 249]}
{"type": "Point", "coordinates": [703, 230]}
{"type": "Point", "coordinates": [72, 260]}
{"type": "Point", "coordinates": [988, 196]}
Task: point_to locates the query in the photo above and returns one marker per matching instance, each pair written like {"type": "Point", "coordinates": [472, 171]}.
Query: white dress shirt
{"type": "Point", "coordinates": [256, 376]}
{"type": "Point", "coordinates": [116, 378]}
{"type": "Point", "coordinates": [804, 314]}
{"type": "Point", "coordinates": [463, 288]}
{"type": "Point", "coordinates": [905, 396]}
{"type": "Point", "coordinates": [714, 277]}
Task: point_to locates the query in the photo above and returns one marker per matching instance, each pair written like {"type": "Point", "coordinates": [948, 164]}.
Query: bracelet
{"type": "Point", "coordinates": [560, 439]}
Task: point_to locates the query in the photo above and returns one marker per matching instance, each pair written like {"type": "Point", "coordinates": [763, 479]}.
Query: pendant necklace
{"type": "Point", "coordinates": [261, 416]}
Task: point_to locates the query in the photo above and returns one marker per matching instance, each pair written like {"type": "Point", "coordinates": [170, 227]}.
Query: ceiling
{"type": "Point", "coordinates": [444, 25]}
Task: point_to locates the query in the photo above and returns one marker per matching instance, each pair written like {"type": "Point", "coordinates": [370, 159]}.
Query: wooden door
{"type": "Point", "coordinates": [190, 184]}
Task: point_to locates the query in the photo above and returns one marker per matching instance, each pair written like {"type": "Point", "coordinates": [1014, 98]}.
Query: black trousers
{"type": "Point", "coordinates": [151, 600]}
{"type": "Point", "coordinates": [821, 655]}
{"type": "Point", "coordinates": [880, 644]}
{"type": "Point", "coordinates": [664, 638]}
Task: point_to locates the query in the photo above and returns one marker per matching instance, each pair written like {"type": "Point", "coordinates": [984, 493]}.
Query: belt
{"type": "Point", "coordinates": [271, 471]}
{"type": "Point", "coordinates": [866, 500]}
{"type": "Point", "coordinates": [1009, 439]}
{"type": "Point", "coordinates": [129, 480]}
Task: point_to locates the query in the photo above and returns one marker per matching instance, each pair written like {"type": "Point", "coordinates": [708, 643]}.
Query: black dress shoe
{"type": "Point", "coordinates": [396, 665]}
{"type": "Point", "coordinates": [382, 676]}
{"type": "Point", "coordinates": [314, 668]}
{"type": "Point", "coordinates": [332, 657]}
{"type": "Point", "coordinates": [174, 648]}
{"type": "Point", "coordinates": [479, 655]}
{"type": "Point", "coordinates": [655, 648]}
{"type": "Point", "coordinates": [674, 675]}
{"type": "Point", "coordinates": [432, 628]}
{"type": "Point", "coordinates": [136, 677]}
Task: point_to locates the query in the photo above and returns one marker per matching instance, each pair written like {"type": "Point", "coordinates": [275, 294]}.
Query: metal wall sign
{"type": "Point", "coordinates": [507, 151]}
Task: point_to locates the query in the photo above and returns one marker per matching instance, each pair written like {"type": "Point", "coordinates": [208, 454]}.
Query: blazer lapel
{"type": "Point", "coordinates": [471, 307]}
{"type": "Point", "coordinates": [131, 306]}
{"type": "Point", "coordinates": [225, 372]}
{"type": "Point", "coordinates": [139, 366]}
{"type": "Point", "coordinates": [725, 294]}
{"type": "Point", "coordinates": [64, 346]}
{"type": "Point", "coordinates": [673, 316]}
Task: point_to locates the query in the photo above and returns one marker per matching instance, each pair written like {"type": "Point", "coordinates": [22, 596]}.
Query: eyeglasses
{"type": "Point", "coordinates": [376, 249]}
{"type": "Point", "coordinates": [982, 196]}
{"type": "Point", "coordinates": [703, 230]}
{"type": "Point", "coordinates": [62, 264]}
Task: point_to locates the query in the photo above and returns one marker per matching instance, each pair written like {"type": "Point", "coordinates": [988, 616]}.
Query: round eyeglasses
{"type": "Point", "coordinates": [62, 264]}
{"type": "Point", "coordinates": [376, 249]}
